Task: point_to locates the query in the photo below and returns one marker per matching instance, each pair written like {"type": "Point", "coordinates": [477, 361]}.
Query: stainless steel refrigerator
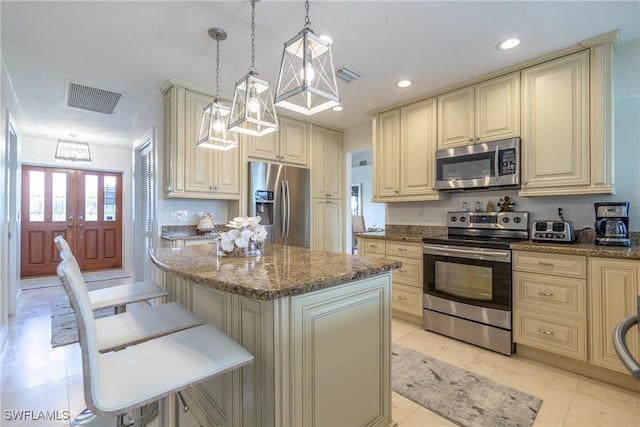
{"type": "Point", "coordinates": [280, 195]}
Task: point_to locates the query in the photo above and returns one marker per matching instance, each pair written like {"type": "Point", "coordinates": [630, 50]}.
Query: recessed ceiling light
{"type": "Point", "coordinates": [403, 83]}
{"type": "Point", "coordinates": [508, 44]}
{"type": "Point", "coordinates": [337, 108]}
{"type": "Point", "coordinates": [326, 38]}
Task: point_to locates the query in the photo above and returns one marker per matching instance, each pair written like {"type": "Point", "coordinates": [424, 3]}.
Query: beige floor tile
{"type": "Point", "coordinates": [588, 411]}
{"type": "Point", "coordinates": [40, 368]}
{"type": "Point", "coordinates": [554, 410]}
{"type": "Point", "coordinates": [609, 393]}
{"type": "Point", "coordinates": [400, 328]}
{"type": "Point", "coordinates": [451, 351]}
{"type": "Point", "coordinates": [425, 418]}
{"type": "Point", "coordinates": [401, 407]}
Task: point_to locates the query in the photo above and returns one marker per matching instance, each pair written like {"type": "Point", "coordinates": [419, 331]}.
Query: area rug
{"type": "Point", "coordinates": [463, 397]}
{"type": "Point", "coordinates": [90, 276]}
{"type": "Point", "coordinates": [64, 328]}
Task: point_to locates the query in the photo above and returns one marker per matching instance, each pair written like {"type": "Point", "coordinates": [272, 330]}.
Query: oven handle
{"type": "Point", "coordinates": [477, 253]}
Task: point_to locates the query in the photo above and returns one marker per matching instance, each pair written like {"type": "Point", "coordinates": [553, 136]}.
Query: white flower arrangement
{"type": "Point", "coordinates": [245, 231]}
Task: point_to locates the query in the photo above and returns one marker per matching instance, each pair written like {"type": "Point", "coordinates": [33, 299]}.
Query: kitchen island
{"type": "Point", "coordinates": [317, 323]}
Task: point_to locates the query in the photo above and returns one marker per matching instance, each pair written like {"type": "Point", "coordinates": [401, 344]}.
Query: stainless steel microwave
{"type": "Point", "coordinates": [479, 166]}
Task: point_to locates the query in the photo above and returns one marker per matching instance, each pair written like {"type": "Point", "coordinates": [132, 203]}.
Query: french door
{"type": "Point", "coordinates": [84, 206]}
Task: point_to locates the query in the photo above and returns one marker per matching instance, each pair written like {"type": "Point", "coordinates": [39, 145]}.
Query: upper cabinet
{"type": "Point", "coordinates": [191, 171]}
{"type": "Point", "coordinates": [566, 124]}
{"type": "Point", "coordinates": [326, 165]}
{"type": "Point", "coordinates": [403, 152]}
{"type": "Point", "coordinates": [487, 111]}
{"type": "Point", "coordinates": [288, 145]}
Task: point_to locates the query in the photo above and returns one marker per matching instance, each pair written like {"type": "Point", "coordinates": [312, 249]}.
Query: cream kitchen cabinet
{"type": "Point", "coordinates": [613, 290]}
{"type": "Point", "coordinates": [192, 171]}
{"type": "Point", "coordinates": [549, 303]}
{"type": "Point", "coordinates": [404, 147]}
{"type": "Point", "coordinates": [327, 155]}
{"type": "Point", "coordinates": [374, 248]}
{"type": "Point", "coordinates": [327, 231]}
{"type": "Point", "coordinates": [288, 145]}
{"type": "Point", "coordinates": [178, 243]}
{"type": "Point", "coordinates": [486, 111]}
{"type": "Point", "coordinates": [567, 124]}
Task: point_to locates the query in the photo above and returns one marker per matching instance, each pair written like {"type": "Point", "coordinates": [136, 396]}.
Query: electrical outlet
{"type": "Point", "coordinates": [179, 216]}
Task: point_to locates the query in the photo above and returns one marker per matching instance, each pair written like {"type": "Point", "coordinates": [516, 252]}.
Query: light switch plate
{"type": "Point", "coordinates": [179, 216]}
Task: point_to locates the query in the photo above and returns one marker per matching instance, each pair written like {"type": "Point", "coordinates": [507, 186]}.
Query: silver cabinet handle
{"type": "Point", "coordinates": [402, 270]}
{"type": "Point", "coordinates": [402, 298]}
{"type": "Point", "coordinates": [402, 249]}
{"type": "Point", "coordinates": [546, 294]}
{"type": "Point", "coordinates": [542, 331]}
{"type": "Point", "coordinates": [546, 264]}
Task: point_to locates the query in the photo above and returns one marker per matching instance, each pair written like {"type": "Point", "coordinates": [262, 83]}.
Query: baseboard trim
{"type": "Point", "coordinates": [579, 367]}
{"type": "Point", "coordinates": [417, 320]}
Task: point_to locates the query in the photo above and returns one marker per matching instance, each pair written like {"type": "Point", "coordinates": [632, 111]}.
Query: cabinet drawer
{"type": "Point", "coordinates": [407, 299]}
{"type": "Point", "coordinates": [560, 264]}
{"type": "Point", "coordinates": [404, 249]}
{"type": "Point", "coordinates": [567, 337]}
{"type": "Point", "coordinates": [562, 296]}
{"type": "Point", "coordinates": [410, 273]}
{"type": "Point", "coordinates": [373, 246]}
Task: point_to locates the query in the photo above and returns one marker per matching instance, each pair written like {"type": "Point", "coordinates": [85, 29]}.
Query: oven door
{"type": "Point", "coordinates": [474, 276]}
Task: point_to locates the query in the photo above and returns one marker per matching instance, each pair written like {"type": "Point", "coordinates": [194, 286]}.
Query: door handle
{"type": "Point", "coordinates": [80, 218]}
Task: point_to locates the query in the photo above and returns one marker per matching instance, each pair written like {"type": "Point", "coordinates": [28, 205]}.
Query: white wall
{"type": "Point", "coordinates": [373, 212]}
{"type": "Point", "coordinates": [578, 209]}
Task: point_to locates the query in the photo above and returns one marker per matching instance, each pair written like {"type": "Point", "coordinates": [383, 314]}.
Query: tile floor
{"type": "Point", "coordinates": [38, 378]}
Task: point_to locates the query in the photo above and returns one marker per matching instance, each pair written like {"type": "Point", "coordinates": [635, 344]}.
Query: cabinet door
{"type": "Point", "coordinates": [497, 108]}
{"type": "Point", "coordinates": [198, 176]}
{"type": "Point", "coordinates": [417, 147]}
{"type": "Point", "coordinates": [266, 147]}
{"type": "Point", "coordinates": [226, 177]}
{"type": "Point", "coordinates": [455, 118]}
{"type": "Point", "coordinates": [555, 124]}
{"type": "Point", "coordinates": [326, 168]}
{"type": "Point", "coordinates": [613, 290]}
{"type": "Point", "coordinates": [327, 230]}
{"type": "Point", "coordinates": [293, 142]}
{"type": "Point", "coordinates": [387, 154]}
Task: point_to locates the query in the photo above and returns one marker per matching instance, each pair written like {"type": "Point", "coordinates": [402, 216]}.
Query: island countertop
{"type": "Point", "coordinates": [280, 271]}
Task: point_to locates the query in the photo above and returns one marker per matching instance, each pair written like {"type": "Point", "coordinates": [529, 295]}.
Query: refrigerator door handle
{"type": "Point", "coordinates": [288, 209]}
{"type": "Point", "coordinates": [283, 210]}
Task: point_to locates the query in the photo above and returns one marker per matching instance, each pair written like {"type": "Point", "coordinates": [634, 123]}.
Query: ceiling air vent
{"type": "Point", "coordinates": [348, 75]}
{"type": "Point", "coordinates": [91, 98]}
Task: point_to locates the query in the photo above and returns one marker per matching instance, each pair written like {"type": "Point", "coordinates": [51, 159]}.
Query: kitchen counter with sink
{"type": "Point", "coordinates": [289, 306]}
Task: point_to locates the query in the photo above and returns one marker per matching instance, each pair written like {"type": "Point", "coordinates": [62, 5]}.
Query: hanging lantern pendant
{"type": "Point", "coordinates": [307, 83]}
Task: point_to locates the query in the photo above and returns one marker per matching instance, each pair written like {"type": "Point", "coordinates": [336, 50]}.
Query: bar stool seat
{"type": "Point", "coordinates": [133, 327]}
{"type": "Point", "coordinates": [121, 295]}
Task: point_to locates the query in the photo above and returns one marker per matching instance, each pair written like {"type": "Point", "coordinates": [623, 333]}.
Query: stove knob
{"type": "Point", "coordinates": [561, 236]}
{"type": "Point", "coordinates": [517, 220]}
{"type": "Point", "coordinates": [505, 219]}
{"type": "Point", "coordinates": [462, 219]}
{"type": "Point", "coordinates": [453, 219]}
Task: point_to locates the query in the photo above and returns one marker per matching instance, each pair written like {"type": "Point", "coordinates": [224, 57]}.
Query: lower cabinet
{"type": "Point", "coordinates": [549, 308]}
{"type": "Point", "coordinates": [178, 243]}
{"type": "Point", "coordinates": [613, 289]}
{"type": "Point", "coordinates": [569, 305]}
{"type": "Point", "coordinates": [407, 291]}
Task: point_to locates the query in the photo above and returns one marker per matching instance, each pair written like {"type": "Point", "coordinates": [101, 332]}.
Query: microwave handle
{"type": "Point", "coordinates": [497, 165]}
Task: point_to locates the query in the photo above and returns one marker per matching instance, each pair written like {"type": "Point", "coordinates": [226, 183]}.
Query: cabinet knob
{"type": "Point", "coordinates": [397, 192]}
{"type": "Point", "coordinates": [328, 195]}
{"type": "Point", "coordinates": [213, 187]}
{"type": "Point", "coordinates": [470, 139]}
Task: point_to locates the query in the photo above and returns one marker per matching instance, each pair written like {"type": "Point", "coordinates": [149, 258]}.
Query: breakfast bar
{"type": "Point", "coordinates": [317, 323]}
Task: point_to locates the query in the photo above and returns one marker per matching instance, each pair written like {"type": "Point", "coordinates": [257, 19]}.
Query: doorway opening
{"type": "Point", "coordinates": [83, 206]}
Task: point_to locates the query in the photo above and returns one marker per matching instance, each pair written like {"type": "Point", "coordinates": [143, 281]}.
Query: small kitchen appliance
{"type": "Point", "coordinates": [612, 224]}
{"type": "Point", "coordinates": [555, 231]}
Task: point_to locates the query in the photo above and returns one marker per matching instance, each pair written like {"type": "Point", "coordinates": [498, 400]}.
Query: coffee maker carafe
{"type": "Point", "coordinates": [612, 224]}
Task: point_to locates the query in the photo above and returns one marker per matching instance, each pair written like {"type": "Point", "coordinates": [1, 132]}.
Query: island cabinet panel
{"type": "Point", "coordinates": [321, 358]}
{"type": "Point", "coordinates": [339, 356]}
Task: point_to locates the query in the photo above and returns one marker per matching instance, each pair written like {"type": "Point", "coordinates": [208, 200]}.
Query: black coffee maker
{"type": "Point", "coordinates": [612, 224]}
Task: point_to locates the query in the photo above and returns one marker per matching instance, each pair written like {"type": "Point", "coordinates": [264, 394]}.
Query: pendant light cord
{"type": "Point", "coordinates": [253, 35]}
{"type": "Point", "coordinates": [217, 67]}
{"type": "Point", "coordinates": [307, 22]}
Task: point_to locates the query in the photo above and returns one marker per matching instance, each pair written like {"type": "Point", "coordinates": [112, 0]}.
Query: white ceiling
{"type": "Point", "coordinates": [134, 47]}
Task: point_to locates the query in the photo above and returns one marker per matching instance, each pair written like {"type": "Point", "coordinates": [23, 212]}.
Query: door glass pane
{"type": "Point", "coordinates": [59, 196]}
{"type": "Point", "coordinates": [36, 196]}
{"type": "Point", "coordinates": [464, 280]}
{"type": "Point", "coordinates": [109, 198]}
{"type": "Point", "coordinates": [91, 198]}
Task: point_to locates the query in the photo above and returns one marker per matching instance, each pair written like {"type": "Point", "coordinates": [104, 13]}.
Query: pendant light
{"type": "Point", "coordinates": [307, 82]}
{"type": "Point", "coordinates": [252, 111]}
{"type": "Point", "coordinates": [215, 116]}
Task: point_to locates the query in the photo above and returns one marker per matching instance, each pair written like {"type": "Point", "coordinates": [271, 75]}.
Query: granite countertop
{"type": "Point", "coordinates": [587, 249]}
{"type": "Point", "coordinates": [280, 271]}
{"type": "Point", "coordinates": [187, 236]}
{"type": "Point", "coordinates": [383, 235]}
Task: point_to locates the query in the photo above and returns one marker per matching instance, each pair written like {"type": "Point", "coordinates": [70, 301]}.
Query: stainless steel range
{"type": "Point", "coordinates": [467, 277]}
